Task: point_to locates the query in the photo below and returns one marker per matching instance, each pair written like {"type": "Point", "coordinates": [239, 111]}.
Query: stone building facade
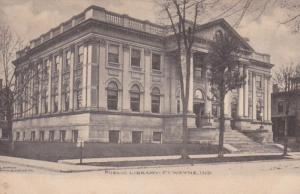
{"type": "Point", "coordinates": [107, 77]}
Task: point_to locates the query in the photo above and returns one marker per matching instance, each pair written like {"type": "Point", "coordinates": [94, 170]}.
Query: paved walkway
{"type": "Point", "coordinates": [71, 165]}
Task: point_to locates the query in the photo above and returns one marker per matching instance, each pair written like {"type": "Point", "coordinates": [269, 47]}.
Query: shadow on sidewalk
{"type": "Point", "coordinates": [187, 161]}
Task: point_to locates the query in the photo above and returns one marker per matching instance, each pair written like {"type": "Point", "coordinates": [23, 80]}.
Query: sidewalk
{"type": "Point", "coordinates": [67, 166]}
{"type": "Point", "coordinates": [50, 166]}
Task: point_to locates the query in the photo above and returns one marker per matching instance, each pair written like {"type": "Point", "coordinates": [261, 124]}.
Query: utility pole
{"type": "Point", "coordinates": [285, 149]}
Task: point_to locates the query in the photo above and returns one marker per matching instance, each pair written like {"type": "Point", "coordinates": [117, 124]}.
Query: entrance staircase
{"type": "Point", "coordinates": [244, 144]}
{"type": "Point", "coordinates": [234, 140]}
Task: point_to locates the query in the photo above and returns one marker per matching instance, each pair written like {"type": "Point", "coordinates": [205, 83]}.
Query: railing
{"type": "Point", "coordinates": [113, 18]}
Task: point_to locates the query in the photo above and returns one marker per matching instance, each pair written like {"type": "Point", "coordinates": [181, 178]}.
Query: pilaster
{"type": "Point", "coordinates": [265, 117]}
{"type": "Point", "coordinates": [147, 106]}
{"type": "Point", "coordinates": [60, 65]}
{"type": "Point", "coordinates": [246, 92]}
{"type": "Point", "coordinates": [84, 76]}
{"type": "Point", "coordinates": [240, 111]}
{"type": "Point", "coordinates": [50, 61]}
{"type": "Point", "coordinates": [126, 64]}
{"type": "Point", "coordinates": [102, 75]}
{"type": "Point", "coordinates": [269, 99]}
{"type": "Point", "coordinates": [73, 54]}
{"type": "Point", "coordinates": [253, 96]}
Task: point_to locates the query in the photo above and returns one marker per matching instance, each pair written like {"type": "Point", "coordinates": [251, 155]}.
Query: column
{"type": "Point", "coordinates": [191, 90]}
{"type": "Point", "coordinates": [269, 118]}
{"type": "Point", "coordinates": [240, 111]}
{"type": "Point", "coordinates": [254, 96]}
{"type": "Point", "coordinates": [126, 63]}
{"type": "Point", "coordinates": [246, 92]}
{"type": "Point", "coordinates": [73, 51]}
{"type": "Point", "coordinates": [60, 69]}
{"type": "Point", "coordinates": [102, 75]}
{"type": "Point", "coordinates": [265, 117]}
{"type": "Point", "coordinates": [147, 66]}
{"type": "Point", "coordinates": [84, 76]}
{"type": "Point", "coordinates": [208, 97]}
{"type": "Point", "coordinates": [227, 105]}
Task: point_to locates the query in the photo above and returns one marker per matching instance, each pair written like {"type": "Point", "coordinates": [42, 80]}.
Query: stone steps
{"type": "Point", "coordinates": [234, 138]}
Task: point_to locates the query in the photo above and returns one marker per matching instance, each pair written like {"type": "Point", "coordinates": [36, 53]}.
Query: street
{"type": "Point", "coordinates": [263, 177]}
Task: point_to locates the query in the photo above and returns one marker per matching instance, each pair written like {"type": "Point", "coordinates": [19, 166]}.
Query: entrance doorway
{"type": "Point", "coordinates": [198, 110]}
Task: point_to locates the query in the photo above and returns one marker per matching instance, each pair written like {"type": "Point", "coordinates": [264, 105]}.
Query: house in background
{"type": "Point", "coordinates": [286, 107]}
{"type": "Point", "coordinates": [3, 122]}
{"type": "Point", "coordinates": [108, 77]}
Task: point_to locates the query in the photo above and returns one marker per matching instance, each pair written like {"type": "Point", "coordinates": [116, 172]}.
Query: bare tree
{"type": "Point", "coordinates": [237, 10]}
{"type": "Point", "coordinates": [182, 17]}
{"type": "Point", "coordinates": [284, 75]}
{"type": "Point", "coordinates": [15, 91]}
{"type": "Point", "coordinates": [224, 64]}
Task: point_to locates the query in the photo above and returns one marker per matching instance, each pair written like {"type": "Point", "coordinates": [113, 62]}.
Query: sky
{"type": "Point", "coordinates": [31, 18]}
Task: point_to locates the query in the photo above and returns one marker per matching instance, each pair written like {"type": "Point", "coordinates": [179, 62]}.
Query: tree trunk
{"type": "Point", "coordinates": [184, 152]}
{"type": "Point", "coordinates": [222, 127]}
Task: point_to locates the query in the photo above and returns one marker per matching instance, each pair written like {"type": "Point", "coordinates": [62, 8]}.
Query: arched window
{"type": "Point", "coordinates": [155, 100]}
{"type": "Point", "coordinates": [112, 96]}
{"type": "Point", "coordinates": [77, 94]}
{"type": "Point", "coordinates": [135, 98]}
{"type": "Point", "coordinates": [199, 95]}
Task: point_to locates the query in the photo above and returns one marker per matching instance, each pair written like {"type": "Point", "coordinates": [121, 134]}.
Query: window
{"type": "Point", "coordinates": [55, 100]}
{"type": "Point", "coordinates": [113, 54]}
{"type": "Point", "coordinates": [17, 136]}
{"type": "Point", "coordinates": [32, 136]}
{"type": "Point", "coordinates": [114, 136]}
{"type": "Point", "coordinates": [215, 110]}
{"type": "Point", "coordinates": [155, 100]}
{"type": "Point", "coordinates": [157, 137]}
{"type": "Point", "coordinates": [66, 101]}
{"type": "Point", "coordinates": [135, 98]}
{"type": "Point", "coordinates": [259, 111]}
{"type": "Point", "coordinates": [280, 107]}
{"type": "Point", "coordinates": [156, 62]}
{"type": "Point", "coordinates": [258, 82]}
{"type": "Point", "coordinates": [135, 58]}
{"type": "Point", "coordinates": [178, 106]}
{"type": "Point", "coordinates": [62, 135]}
{"type": "Point", "coordinates": [24, 137]}
{"type": "Point", "coordinates": [77, 94]}
{"type": "Point", "coordinates": [112, 96]}
{"type": "Point", "coordinates": [75, 136]}
{"type": "Point", "coordinates": [136, 137]}
{"type": "Point", "coordinates": [42, 135]}
{"type": "Point", "coordinates": [68, 61]}
{"type": "Point", "coordinates": [80, 55]}
{"type": "Point", "coordinates": [55, 65]}
{"type": "Point", "coordinates": [51, 136]}
{"type": "Point", "coordinates": [219, 35]}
